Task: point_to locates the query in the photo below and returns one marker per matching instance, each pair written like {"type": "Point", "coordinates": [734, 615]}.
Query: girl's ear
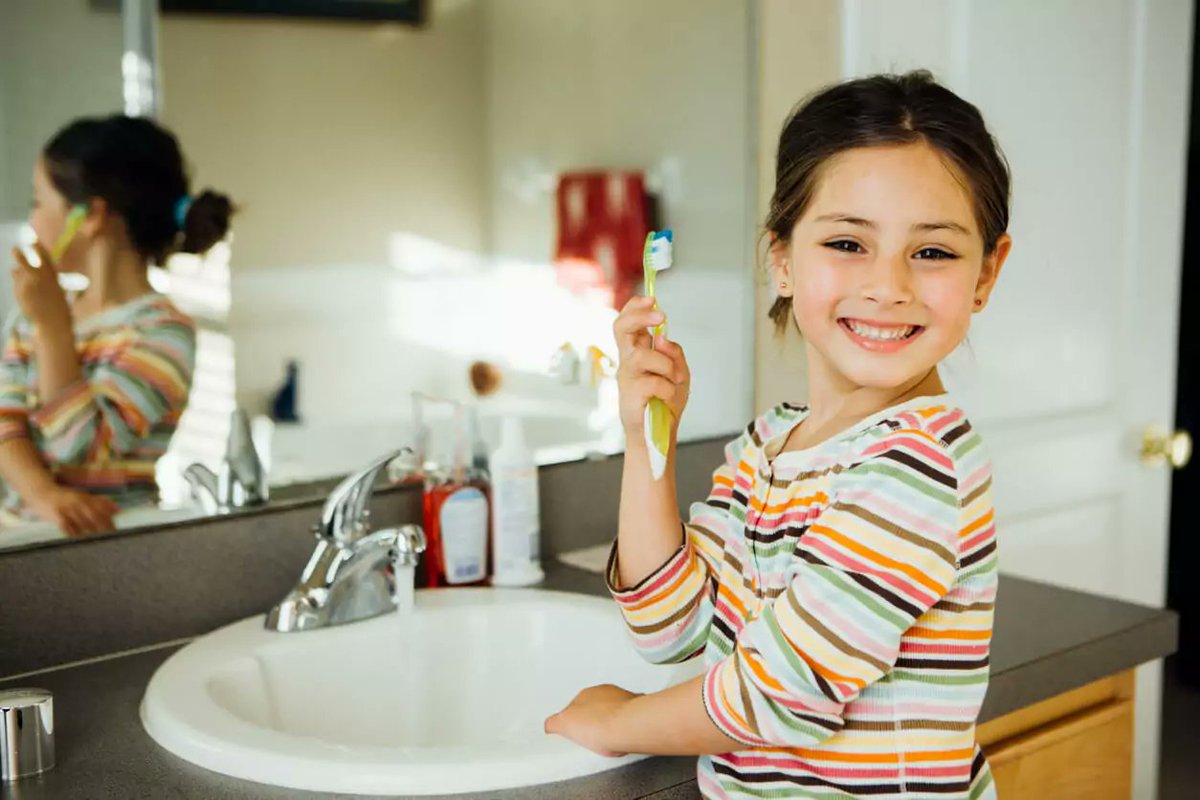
{"type": "Point", "coordinates": [990, 272]}
{"type": "Point", "coordinates": [781, 267]}
{"type": "Point", "coordinates": [97, 217]}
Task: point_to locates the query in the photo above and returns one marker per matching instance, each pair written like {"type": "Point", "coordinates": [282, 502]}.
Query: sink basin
{"type": "Point", "coordinates": [448, 698]}
{"type": "Point", "coordinates": [36, 531]}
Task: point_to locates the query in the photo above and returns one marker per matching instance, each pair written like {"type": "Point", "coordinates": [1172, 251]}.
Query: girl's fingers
{"type": "Point", "coordinates": [637, 302]}
{"type": "Point", "coordinates": [630, 324]}
{"type": "Point", "coordinates": [673, 351]}
{"type": "Point", "coordinates": [653, 362]}
{"type": "Point", "coordinates": [42, 253]}
{"type": "Point", "coordinates": [99, 517]}
{"type": "Point", "coordinates": [22, 261]}
{"type": "Point", "coordinates": [68, 524]}
{"type": "Point", "coordinates": [638, 341]}
{"type": "Point", "coordinates": [655, 386]}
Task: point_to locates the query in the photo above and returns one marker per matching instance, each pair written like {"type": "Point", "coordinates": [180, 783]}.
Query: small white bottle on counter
{"type": "Point", "coordinates": [516, 529]}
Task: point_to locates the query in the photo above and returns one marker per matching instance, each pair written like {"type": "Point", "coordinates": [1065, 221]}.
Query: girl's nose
{"type": "Point", "coordinates": [887, 281]}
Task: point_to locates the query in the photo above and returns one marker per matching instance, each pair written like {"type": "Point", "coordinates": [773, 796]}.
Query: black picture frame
{"type": "Point", "coordinates": [408, 12]}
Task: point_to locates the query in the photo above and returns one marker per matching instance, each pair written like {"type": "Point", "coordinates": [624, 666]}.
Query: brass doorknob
{"type": "Point", "coordinates": [1161, 445]}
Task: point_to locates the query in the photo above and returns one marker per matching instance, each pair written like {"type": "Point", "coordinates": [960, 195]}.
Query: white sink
{"type": "Point", "coordinates": [36, 531]}
{"type": "Point", "coordinates": [449, 698]}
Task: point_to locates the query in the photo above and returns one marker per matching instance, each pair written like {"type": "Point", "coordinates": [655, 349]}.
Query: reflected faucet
{"type": "Point", "coordinates": [240, 480]}
{"type": "Point", "coordinates": [351, 574]}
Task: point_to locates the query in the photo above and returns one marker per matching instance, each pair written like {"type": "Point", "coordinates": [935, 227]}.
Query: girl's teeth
{"type": "Point", "coordinates": [883, 334]}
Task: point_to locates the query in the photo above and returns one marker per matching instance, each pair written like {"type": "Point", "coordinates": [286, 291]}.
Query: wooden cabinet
{"type": "Point", "coordinates": [1077, 745]}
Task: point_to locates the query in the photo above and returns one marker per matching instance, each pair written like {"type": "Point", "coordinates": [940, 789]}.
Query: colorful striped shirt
{"type": "Point", "coordinates": [842, 598]}
{"type": "Point", "coordinates": [104, 433]}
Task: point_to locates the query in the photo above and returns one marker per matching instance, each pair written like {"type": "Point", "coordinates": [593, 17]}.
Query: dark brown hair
{"type": "Point", "coordinates": [885, 110]}
{"type": "Point", "coordinates": [136, 167]}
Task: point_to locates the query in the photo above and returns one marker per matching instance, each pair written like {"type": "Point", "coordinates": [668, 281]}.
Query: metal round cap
{"type": "Point", "coordinates": [26, 732]}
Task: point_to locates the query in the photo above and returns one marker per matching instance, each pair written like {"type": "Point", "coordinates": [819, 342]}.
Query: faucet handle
{"type": "Point", "coordinates": [202, 483]}
{"type": "Point", "coordinates": [344, 515]}
{"type": "Point", "coordinates": [406, 543]}
{"type": "Point", "coordinates": [410, 543]}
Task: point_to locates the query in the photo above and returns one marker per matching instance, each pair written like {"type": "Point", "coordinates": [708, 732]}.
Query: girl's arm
{"type": "Point", "coordinates": [57, 359]}
{"type": "Point", "coordinates": [611, 721]}
{"type": "Point", "coordinates": [670, 610]}
{"type": "Point", "coordinates": [21, 466]}
{"type": "Point", "coordinates": [648, 525]}
{"type": "Point", "coordinates": [877, 559]}
{"type": "Point", "coordinates": [76, 513]}
{"type": "Point", "coordinates": [143, 379]}
{"type": "Point", "coordinates": [649, 530]}
{"type": "Point", "coordinates": [44, 303]}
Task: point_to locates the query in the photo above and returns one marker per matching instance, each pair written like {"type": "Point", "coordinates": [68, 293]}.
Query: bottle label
{"type": "Point", "coordinates": [463, 525]}
{"type": "Point", "coordinates": [516, 518]}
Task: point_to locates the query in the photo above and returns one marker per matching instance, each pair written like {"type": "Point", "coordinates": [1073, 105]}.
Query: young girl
{"type": "Point", "coordinates": [92, 387]}
{"type": "Point", "coordinates": [840, 578]}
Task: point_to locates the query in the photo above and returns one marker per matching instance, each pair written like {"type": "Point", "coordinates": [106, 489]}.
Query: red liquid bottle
{"type": "Point", "coordinates": [457, 520]}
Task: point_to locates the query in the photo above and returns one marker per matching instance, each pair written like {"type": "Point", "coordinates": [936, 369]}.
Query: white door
{"type": "Point", "coordinates": [1076, 355]}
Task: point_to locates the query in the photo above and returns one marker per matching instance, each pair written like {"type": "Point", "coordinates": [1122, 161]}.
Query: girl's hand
{"type": "Point", "coordinates": [587, 720]}
{"type": "Point", "coordinates": [76, 513]}
{"type": "Point", "coordinates": [42, 300]}
{"type": "Point", "coordinates": [645, 372]}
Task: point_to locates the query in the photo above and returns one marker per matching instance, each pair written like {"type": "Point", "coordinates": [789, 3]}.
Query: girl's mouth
{"type": "Point", "coordinates": [879, 337]}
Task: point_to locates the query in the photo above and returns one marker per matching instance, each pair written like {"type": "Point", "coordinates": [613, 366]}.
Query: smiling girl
{"type": "Point", "coordinates": [839, 581]}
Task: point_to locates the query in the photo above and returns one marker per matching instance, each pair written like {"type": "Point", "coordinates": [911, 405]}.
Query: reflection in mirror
{"type": "Point", "coordinates": [436, 225]}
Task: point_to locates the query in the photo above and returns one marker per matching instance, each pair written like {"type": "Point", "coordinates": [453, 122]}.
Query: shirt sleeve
{"type": "Point", "coordinates": [669, 612]}
{"type": "Point", "coordinates": [881, 555]}
{"type": "Point", "coordinates": [143, 380]}
{"type": "Point", "coordinates": [14, 386]}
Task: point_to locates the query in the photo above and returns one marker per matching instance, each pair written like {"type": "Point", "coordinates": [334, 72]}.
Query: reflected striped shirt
{"type": "Point", "coordinates": [104, 433]}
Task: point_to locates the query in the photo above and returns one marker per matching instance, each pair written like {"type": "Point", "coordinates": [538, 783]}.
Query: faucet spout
{"type": "Point", "coordinates": [352, 572]}
{"type": "Point", "coordinates": [345, 514]}
{"type": "Point", "coordinates": [240, 481]}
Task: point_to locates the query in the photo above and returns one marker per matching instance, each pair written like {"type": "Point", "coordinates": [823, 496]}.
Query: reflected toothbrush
{"type": "Point", "coordinates": [656, 257]}
{"type": "Point", "coordinates": [74, 222]}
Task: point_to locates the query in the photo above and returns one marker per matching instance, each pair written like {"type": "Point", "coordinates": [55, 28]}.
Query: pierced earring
{"type": "Point", "coordinates": [783, 286]}
{"type": "Point", "coordinates": [978, 302]}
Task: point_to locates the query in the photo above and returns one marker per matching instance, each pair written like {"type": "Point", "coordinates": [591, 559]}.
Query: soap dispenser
{"type": "Point", "coordinates": [516, 532]}
{"type": "Point", "coordinates": [457, 517]}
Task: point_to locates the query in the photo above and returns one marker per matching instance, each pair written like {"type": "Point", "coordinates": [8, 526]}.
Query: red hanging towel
{"type": "Point", "coordinates": [603, 219]}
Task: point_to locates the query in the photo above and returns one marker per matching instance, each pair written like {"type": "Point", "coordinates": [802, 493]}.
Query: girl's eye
{"type": "Point", "coordinates": [845, 246]}
{"type": "Point", "coordinates": [934, 253]}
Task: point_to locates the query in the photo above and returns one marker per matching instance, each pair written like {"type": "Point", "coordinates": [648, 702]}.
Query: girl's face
{"type": "Point", "coordinates": [885, 266]}
{"type": "Point", "coordinates": [48, 215]}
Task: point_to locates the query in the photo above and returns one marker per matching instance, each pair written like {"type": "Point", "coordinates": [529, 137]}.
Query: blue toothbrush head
{"type": "Point", "coordinates": [661, 245]}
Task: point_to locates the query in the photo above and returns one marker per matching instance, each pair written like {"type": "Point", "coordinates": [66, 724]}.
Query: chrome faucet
{"type": "Point", "coordinates": [240, 480]}
{"type": "Point", "coordinates": [351, 575]}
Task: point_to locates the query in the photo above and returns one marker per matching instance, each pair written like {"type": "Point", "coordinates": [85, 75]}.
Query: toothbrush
{"type": "Point", "coordinates": [74, 221]}
{"type": "Point", "coordinates": [656, 257]}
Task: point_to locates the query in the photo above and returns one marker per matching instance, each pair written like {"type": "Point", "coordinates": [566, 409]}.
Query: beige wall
{"type": "Point", "coordinates": [663, 87]}
{"type": "Point", "coordinates": [59, 59]}
{"type": "Point", "coordinates": [799, 52]}
{"type": "Point", "coordinates": [333, 136]}
{"type": "Point", "coordinates": [334, 139]}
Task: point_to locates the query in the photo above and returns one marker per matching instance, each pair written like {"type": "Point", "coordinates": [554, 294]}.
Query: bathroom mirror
{"type": "Point", "coordinates": [421, 206]}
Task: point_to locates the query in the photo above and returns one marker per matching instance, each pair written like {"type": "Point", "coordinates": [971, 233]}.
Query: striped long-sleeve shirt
{"type": "Point", "coordinates": [842, 599]}
{"type": "Point", "coordinates": [104, 433]}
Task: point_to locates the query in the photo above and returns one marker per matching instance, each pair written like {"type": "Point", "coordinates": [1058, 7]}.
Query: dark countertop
{"type": "Point", "coordinates": [1048, 640]}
